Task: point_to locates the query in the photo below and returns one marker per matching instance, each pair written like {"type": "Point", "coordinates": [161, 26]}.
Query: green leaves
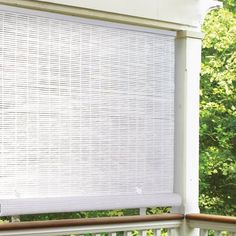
{"type": "Point", "coordinates": [218, 112]}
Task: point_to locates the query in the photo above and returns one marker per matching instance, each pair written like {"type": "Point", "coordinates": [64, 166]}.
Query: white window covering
{"type": "Point", "coordinates": [86, 114]}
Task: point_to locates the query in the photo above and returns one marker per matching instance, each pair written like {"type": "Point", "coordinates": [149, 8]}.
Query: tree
{"type": "Point", "coordinates": [218, 112]}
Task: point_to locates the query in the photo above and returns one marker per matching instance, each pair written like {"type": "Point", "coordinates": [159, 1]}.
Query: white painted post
{"type": "Point", "coordinates": [188, 61]}
{"type": "Point", "coordinates": [15, 219]}
{"type": "Point", "coordinates": [157, 232]}
{"type": "Point", "coordinates": [230, 234]}
{"type": "Point", "coordinates": [127, 233]}
{"type": "Point", "coordinates": [174, 232]}
{"type": "Point", "coordinates": [111, 234]}
{"type": "Point", "coordinates": [217, 233]}
{"type": "Point", "coordinates": [144, 233]}
{"type": "Point", "coordinates": [203, 232]}
{"type": "Point", "coordinates": [142, 211]}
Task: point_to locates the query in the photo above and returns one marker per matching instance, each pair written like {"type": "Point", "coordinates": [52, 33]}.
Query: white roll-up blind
{"type": "Point", "coordinates": [86, 114]}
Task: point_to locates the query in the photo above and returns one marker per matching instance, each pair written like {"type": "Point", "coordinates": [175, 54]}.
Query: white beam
{"type": "Point", "coordinates": [168, 14]}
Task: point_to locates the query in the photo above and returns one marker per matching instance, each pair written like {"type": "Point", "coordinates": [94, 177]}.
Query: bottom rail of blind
{"type": "Point", "coordinates": [71, 204]}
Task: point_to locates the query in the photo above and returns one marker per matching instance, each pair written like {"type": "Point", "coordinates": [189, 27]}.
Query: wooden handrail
{"type": "Point", "coordinates": [114, 220]}
{"type": "Point", "coordinates": [89, 221]}
{"type": "Point", "coordinates": [211, 218]}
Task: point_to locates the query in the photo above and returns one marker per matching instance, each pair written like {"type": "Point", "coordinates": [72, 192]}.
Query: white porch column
{"type": "Point", "coordinates": [188, 63]}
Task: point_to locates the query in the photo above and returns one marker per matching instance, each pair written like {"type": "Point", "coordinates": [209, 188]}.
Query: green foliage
{"type": "Point", "coordinates": [3, 221]}
{"type": "Point", "coordinates": [230, 5]}
{"type": "Point", "coordinates": [218, 113]}
{"type": "Point", "coordinates": [158, 210]}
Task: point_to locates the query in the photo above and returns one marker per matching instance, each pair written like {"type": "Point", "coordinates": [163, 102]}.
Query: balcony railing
{"type": "Point", "coordinates": [158, 225]}
{"type": "Point", "coordinates": [212, 224]}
